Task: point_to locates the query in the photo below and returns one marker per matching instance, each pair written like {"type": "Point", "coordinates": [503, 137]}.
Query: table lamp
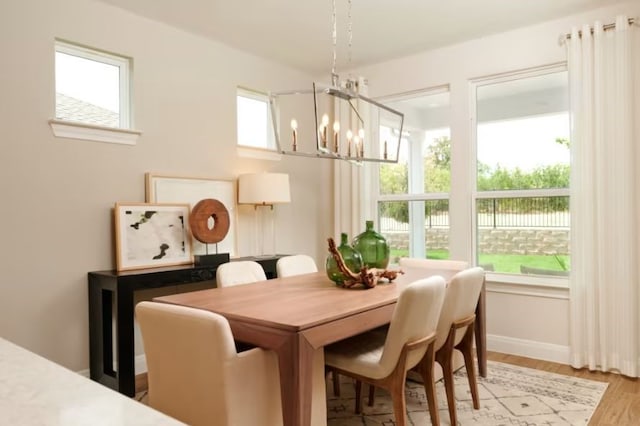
{"type": "Point", "coordinates": [264, 190]}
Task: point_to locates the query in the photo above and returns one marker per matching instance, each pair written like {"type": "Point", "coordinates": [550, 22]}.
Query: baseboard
{"type": "Point", "coordinates": [528, 348]}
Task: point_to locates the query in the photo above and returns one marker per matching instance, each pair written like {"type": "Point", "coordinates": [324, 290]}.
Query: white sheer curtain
{"type": "Point", "coordinates": [604, 77]}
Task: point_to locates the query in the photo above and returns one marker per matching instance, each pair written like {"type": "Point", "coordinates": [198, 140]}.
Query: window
{"type": "Point", "coordinates": [413, 200]}
{"type": "Point", "coordinates": [92, 87]}
{"type": "Point", "coordinates": [522, 176]}
{"type": "Point", "coordinates": [255, 127]}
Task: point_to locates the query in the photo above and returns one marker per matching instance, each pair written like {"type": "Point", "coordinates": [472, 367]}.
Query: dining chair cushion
{"type": "Point", "coordinates": [295, 265]}
{"type": "Point", "coordinates": [375, 354]}
{"type": "Point", "coordinates": [239, 272]}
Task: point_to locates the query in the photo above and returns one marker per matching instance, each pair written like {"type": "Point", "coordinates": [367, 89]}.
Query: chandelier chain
{"type": "Point", "coordinates": [335, 39]}
{"type": "Point", "coordinates": [350, 31]}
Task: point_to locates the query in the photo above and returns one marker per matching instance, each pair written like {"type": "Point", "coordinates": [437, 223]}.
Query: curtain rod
{"type": "Point", "coordinates": [606, 27]}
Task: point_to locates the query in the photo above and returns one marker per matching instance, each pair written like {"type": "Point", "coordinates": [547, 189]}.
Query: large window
{"type": "Point", "coordinates": [522, 177]}
{"type": "Point", "coordinates": [92, 87]}
{"type": "Point", "coordinates": [413, 200]}
{"type": "Point", "coordinates": [255, 127]}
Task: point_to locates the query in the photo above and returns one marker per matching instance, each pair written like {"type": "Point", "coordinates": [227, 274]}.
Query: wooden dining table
{"type": "Point", "coordinates": [296, 315]}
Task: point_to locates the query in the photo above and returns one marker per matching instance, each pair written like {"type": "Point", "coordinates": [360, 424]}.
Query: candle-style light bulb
{"type": "Point", "coordinates": [323, 127]}
{"type": "Point", "coordinates": [356, 145]}
{"type": "Point", "coordinates": [294, 128]}
{"type": "Point", "coordinates": [336, 132]}
{"type": "Point", "coordinates": [361, 134]}
{"type": "Point", "coordinates": [349, 137]}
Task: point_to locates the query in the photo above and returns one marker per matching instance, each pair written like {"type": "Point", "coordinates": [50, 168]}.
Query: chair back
{"type": "Point", "coordinates": [186, 351]}
{"type": "Point", "coordinates": [415, 317]}
{"type": "Point", "coordinates": [295, 265]}
{"type": "Point", "coordinates": [240, 272]}
{"type": "Point", "coordinates": [195, 374]}
{"type": "Point", "coordinates": [460, 302]}
{"type": "Point", "coordinates": [450, 265]}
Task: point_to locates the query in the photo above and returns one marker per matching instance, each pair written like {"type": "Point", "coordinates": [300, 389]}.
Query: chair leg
{"type": "Point", "coordinates": [336, 382]}
{"type": "Point", "coordinates": [466, 347]}
{"type": "Point", "coordinates": [425, 368]}
{"type": "Point", "coordinates": [399, 403]}
{"type": "Point", "coordinates": [372, 395]}
{"type": "Point", "coordinates": [358, 397]}
{"type": "Point", "coordinates": [443, 356]}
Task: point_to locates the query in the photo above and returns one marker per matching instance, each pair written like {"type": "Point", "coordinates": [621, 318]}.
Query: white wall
{"type": "Point", "coordinates": [526, 320]}
{"type": "Point", "coordinates": [57, 194]}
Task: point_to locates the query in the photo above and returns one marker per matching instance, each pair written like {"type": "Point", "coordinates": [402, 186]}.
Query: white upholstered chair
{"type": "Point", "coordinates": [195, 374]}
{"type": "Point", "coordinates": [240, 272]}
{"type": "Point", "coordinates": [455, 332]}
{"type": "Point", "coordinates": [382, 360]}
{"type": "Point", "coordinates": [295, 265]}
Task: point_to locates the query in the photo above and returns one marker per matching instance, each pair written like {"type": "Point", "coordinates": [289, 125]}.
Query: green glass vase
{"type": "Point", "coordinates": [351, 257]}
{"type": "Point", "coordinates": [373, 247]}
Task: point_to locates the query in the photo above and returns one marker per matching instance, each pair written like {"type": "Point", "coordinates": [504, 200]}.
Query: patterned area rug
{"type": "Point", "coordinates": [510, 395]}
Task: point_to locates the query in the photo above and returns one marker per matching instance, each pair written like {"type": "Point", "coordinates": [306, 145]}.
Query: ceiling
{"type": "Point", "coordinates": [298, 32]}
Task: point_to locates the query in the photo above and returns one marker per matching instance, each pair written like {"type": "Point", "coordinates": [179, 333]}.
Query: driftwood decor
{"type": "Point", "coordinates": [367, 277]}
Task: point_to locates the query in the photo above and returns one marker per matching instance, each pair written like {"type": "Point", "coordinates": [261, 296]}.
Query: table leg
{"type": "Point", "coordinates": [481, 332]}
{"type": "Point", "coordinates": [295, 359]}
{"type": "Point", "coordinates": [125, 349]}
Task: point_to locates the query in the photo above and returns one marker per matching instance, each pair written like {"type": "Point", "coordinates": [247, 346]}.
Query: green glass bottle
{"type": "Point", "coordinates": [351, 257]}
{"type": "Point", "coordinates": [373, 247]}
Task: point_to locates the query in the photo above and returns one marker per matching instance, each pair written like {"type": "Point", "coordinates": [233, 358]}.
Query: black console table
{"type": "Point", "coordinates": [111, 297]}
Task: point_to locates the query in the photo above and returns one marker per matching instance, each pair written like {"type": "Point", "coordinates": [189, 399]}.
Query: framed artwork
{"type": "Point", "coordinates": [151, 235]}
{"type": "Point", "coordinates": [191, 190]}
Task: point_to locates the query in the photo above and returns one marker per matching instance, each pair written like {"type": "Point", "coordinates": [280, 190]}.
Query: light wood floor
{"type": "Point", "coordinates": [620, 404]}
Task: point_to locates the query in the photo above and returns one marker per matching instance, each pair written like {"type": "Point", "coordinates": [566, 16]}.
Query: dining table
{"type": "Point", "coordinates": [296, 315]}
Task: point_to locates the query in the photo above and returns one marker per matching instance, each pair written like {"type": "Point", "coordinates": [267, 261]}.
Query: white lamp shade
{"type": "Point", "coordinates": [263, 188]}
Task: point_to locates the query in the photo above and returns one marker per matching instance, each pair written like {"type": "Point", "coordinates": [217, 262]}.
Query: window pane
{"type": "Point", "coordinates": [523, 133]}
{"type": "Point", "coordinates": [394, 178]}
{"type": "Point", "coordinates": [255, 128]}
{"type": "Point", "coordinates": [437, 160]}
{"type": "Point", "coordinates": [87, 90]}
{"type": "Point", "coordinates": [524, 235]}
{"type": "Point", "coordinates": [430, 230]}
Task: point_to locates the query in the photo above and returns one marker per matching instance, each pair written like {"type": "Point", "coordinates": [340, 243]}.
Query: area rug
{"type": "Point", "coordinates": [510, 395]}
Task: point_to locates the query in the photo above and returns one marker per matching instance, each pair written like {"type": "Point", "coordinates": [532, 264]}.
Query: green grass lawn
{"type": "Point", "coordinates": [507, 263]}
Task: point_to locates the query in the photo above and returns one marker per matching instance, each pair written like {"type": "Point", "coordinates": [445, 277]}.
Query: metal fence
{"type": "Point", "coordinates": [529, 212]}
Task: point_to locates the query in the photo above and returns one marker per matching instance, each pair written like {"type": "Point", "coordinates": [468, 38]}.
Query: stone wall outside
{"type": "Point", "coordinates": [543, 241]}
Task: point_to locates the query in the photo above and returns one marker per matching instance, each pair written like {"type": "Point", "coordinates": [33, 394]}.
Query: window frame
{"type": "Point", "coordinates": [270, 151]}
{"type": "Point", "coordinates": [550, 281]}
{"type": "Point", "coordinates": [124, 74]}
{"type": "Point", "coordinates": [123, 134]}
{"type": "Point", "coordinates": [415, 166]}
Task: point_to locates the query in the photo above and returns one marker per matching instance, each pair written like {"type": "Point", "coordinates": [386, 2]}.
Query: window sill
{"type": "Point", "coordinates": [91, 132]}
{"type": "Point", "coordinates": [259, 153]}
{"type": "Point", "coordinates": [527, 285]}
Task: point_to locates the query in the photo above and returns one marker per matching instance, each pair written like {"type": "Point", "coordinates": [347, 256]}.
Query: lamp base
{"type": "Point", "coordinates": [211, 259]}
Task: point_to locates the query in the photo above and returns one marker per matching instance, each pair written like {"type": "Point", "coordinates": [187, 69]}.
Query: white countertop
{"type": "Point", "coordinates": [37, 392]}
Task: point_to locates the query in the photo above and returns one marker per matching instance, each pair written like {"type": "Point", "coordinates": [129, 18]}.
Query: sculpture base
{"type": "Point", "coordinates": [211, 259]}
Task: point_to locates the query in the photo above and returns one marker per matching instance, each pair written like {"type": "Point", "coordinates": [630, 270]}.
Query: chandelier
{"type": "Point", "coordinates": [336, 121]}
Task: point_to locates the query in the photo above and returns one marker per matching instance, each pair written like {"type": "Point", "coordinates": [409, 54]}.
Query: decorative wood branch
{"type": "Point", "coordinates": [367, 277]}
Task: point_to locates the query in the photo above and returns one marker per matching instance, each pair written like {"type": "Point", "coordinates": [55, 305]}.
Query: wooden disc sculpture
{"type": "Point", "coordinates": [199, 221]}
{"type": "Point", "coordinates": [367, 277]}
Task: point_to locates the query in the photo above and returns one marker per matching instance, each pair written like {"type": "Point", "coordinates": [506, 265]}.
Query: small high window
{"type": "Point", "coordinates": [255, 127]}
{"type": "Point", "coordinates": [92, 87]}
